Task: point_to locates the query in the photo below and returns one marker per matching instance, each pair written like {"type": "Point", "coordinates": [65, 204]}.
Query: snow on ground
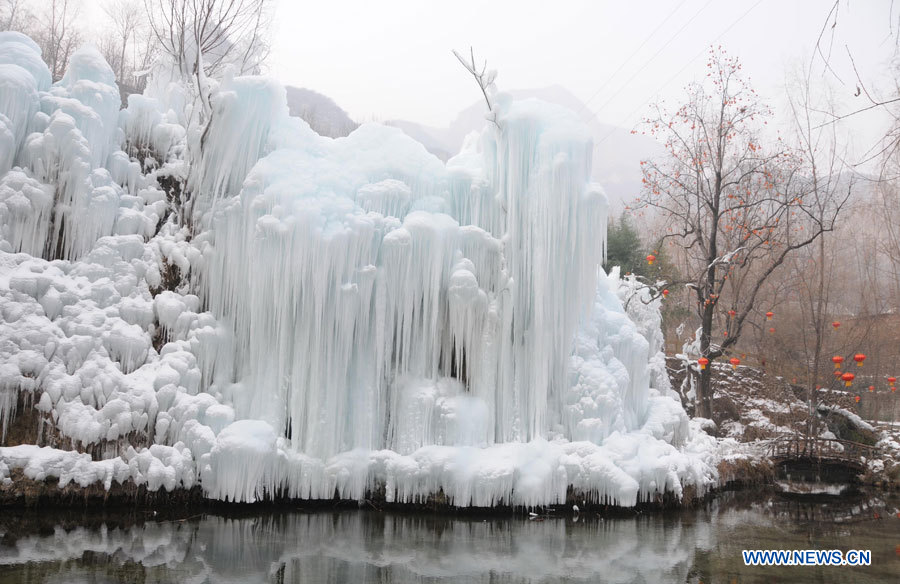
{"type": "Point", "coordinates": [323, 316]}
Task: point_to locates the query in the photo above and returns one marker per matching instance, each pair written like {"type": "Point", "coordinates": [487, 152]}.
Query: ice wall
{"type": "Point", "coordinates": [424, 326]}
{"type": "Point", "coordinates": [339, 316]}
{"type": "Point", "coordinates": [353, 292]}
{"type": "Point", "coordinates": [61, 136]}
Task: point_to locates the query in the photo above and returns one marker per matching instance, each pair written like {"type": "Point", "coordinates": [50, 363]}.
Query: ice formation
{"type": "Point", "coordinates": [341, 315]}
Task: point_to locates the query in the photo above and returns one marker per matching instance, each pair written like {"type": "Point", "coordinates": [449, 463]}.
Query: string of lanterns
{"type": "Point", "coordinates": [838, 360]}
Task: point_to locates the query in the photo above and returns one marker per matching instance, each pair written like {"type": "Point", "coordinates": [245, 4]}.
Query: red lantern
{"type": "Point", "coordinates": [650, 259]}
{"type": "Point", "coordinates": [734, 362]}
{"type": "Point", "coordinates": [665, 293]}
{"type": "Point", "coordinates": [859, 358]}
{"type": "Point", "coordinates": [731, 313]}
{"type": "Point", "coordinates": [772, 330]}
{"type": "Point", "coordinates": [835, 324]}
{"type": "Point", "coordinates": [703, 361]}
{"type": "Point", "coordinates": [892, 380]}
{"type": "Point", "coordinates": [837, 360]}
{"type": "Point", "coordinates": [769, 315]}
{"type": "Point", "coordinates": [848, 378]}
{"type": "Point", "coordinates": [837, 373]}
{"type": "Point", "coordinates": [857, 399]}
{"type": "Point", "coordinates": [871, 388]}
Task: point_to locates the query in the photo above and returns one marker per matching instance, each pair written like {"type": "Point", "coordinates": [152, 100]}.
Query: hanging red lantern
{"type": "Point", "coordinates": [848, 378]}
{"type": "Point", "coordinates": [772, 330]}
{"type": "Point", "coordinates": [732, 313]}
{"type": "Point", "coordinates": [857, 399]}
{"type": "Point", "coordinates": [892, 380]}
{"type": "Point", "coordinates": [837, 360]}
{"type": "Point", "coordinates": [835, 324]}
{"type": "Point", "coordinates": [734, 362]}
{"type": "Point", "coordinates": [665, 293]}
{"type": "Point", "coordinates": [703, 362]}
{"type": "Point", "coordinates": [650, 259]}
{"type": "Point", "coordinates": [871, 388]}
{"type": "Point", "coordinates": [769, 315]}
{"type": "Point", "coordinates": [837, 373]}
{"type": "Point", "coordinates": [859, 358]}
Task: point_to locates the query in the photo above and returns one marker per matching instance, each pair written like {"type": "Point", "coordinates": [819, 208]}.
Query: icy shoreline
{"type": "Point", "coordinates": [531, 474]}
{"type": "Point", "coordinates": [23, 493]}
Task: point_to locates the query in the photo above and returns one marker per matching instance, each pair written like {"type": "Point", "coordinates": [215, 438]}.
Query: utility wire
{"type": "Point", "coordinates": [656, 54]}
{"type": "Point", "coordinates": [680, 71]}
{"type": "Point", "coordinates": [631, 56]}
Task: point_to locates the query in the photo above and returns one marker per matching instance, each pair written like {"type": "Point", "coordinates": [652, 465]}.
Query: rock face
{"type": "Point", "coordinates": [323, 115]}
{"type": "Point", "coordinates": [845, 425]}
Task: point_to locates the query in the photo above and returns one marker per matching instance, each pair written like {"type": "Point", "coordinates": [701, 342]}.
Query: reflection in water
{"type": "Point", "coordinates": [368, 546]}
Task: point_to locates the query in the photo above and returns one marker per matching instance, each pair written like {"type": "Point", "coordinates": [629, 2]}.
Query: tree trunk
{"type": "Point", "coordinates": [705, 391]}
{"type": "Point", "coordinates": [704, 394]}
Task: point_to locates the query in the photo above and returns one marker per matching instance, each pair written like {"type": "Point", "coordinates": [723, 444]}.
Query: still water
{"type": "Point", "coordinates": [368, 546]}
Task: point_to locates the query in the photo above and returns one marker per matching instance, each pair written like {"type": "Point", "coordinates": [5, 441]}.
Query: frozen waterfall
{"type": "Point", "coordinates": [353, 314]}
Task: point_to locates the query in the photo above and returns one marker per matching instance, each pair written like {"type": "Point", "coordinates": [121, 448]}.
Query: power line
{"type": "Point", "coordinates": [661, 49]}
{"type": "Point", "coordinates": [631, 56]}
{"type": "Point", "coordinates": [680, 71]}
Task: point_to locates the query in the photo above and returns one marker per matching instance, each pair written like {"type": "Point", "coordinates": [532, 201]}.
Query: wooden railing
{"type": "Point", "coordinates": [799, 446]}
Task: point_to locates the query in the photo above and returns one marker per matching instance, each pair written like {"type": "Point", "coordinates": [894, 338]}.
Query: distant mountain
{"type": "Point", "coordinates": [617, 152]}
{"type": "Point", "coordinates": [324, 116]}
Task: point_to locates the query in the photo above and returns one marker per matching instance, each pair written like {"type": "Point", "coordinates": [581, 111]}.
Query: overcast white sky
{"type": "Point", "coordinates": [391, 58]}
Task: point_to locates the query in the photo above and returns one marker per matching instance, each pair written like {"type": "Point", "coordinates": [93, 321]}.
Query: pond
{"type": "Point", "coordinates": [366, 545]}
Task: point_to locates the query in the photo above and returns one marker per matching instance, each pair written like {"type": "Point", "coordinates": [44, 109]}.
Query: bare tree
{"type": "Point", "coordinates": [888, 148]}
{"type": "Point", "coordinates": [57, 35]}
{"type": "Point", "coordinates": [127, 18]}
{"type": "Point", "coordinates": [207, 34]}
{"type": "Point", "coordinates": [14, 15]}
{"type": "Point", "coordinates": [732, 206]}
{"type": "Point", "coordinates": [484, 78]}
{"type": "Point", "coordinates": [202, 36]}
{"type": "Point", "coordinates": [827, 180]}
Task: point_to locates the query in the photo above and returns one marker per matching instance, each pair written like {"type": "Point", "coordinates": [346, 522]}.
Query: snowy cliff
{"type": "Point", "coordinates": [265, 311]}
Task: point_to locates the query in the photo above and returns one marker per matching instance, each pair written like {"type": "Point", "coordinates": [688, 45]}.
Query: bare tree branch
{"type": "Point", "coordinates": [484, 79]}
